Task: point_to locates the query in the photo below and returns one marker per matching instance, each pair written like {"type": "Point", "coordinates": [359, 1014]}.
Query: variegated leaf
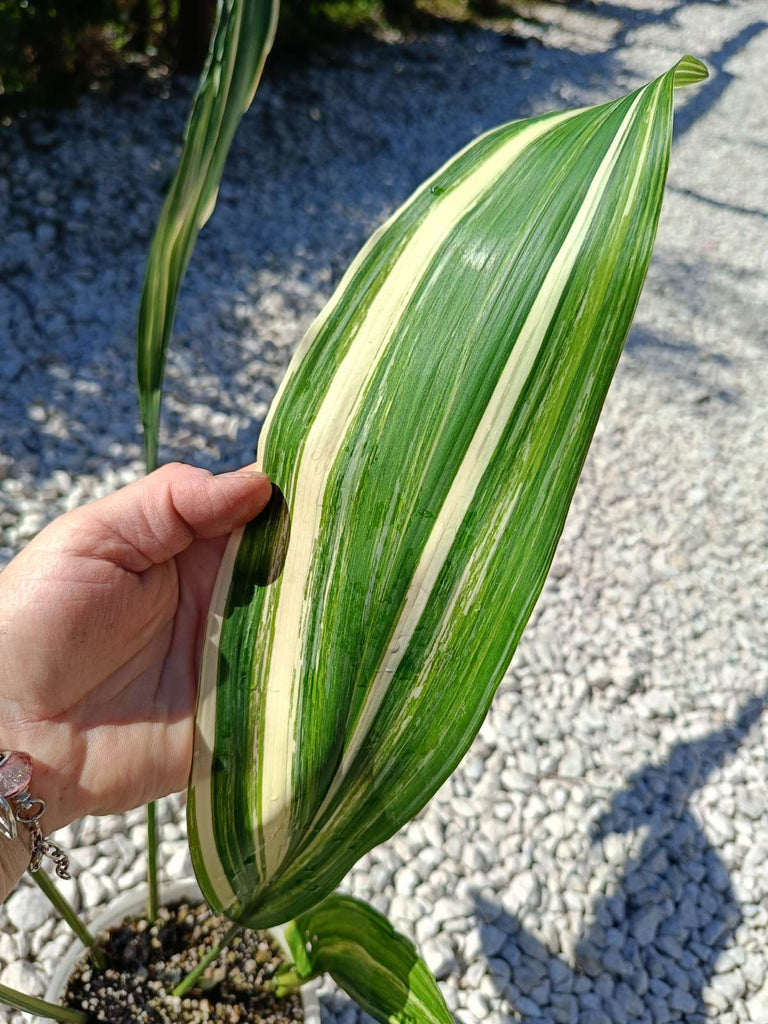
{"type": "Point", "coordinates": [241, 40]}
{"type": "Point", "coordinates": [427, 439]}
{"type": "Point", "coordinates": [367, 957]}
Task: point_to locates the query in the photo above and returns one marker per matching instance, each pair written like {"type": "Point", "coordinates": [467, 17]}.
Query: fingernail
{"type": "Point", "coordinates": [247, 471]}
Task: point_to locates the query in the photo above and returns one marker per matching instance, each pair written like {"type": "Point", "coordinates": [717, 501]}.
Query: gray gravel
{"type": "Point", "coordinates": [601, 856]}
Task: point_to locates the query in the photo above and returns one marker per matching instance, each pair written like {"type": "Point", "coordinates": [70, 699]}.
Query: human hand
{"type": "Point", "coordinates": [101, 624]}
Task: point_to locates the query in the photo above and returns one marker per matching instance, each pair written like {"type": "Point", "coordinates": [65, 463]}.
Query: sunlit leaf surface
{"type": "Point", "coordinates": [427, 439]}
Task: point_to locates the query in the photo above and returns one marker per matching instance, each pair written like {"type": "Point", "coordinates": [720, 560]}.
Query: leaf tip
{"type": "Point", "coordinates": [689, 71]}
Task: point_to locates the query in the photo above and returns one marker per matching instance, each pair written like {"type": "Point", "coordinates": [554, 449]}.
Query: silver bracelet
{"type": "Point", "coordinates": [17, 807]}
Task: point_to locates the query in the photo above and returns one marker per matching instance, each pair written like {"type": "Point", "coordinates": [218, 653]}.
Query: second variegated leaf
{"type": "Point", "coordinates": [242, 38]}
{"type": "Point", "coordinates": [426, 442]}
{"type": "Point", "coordinates": [376, 965]}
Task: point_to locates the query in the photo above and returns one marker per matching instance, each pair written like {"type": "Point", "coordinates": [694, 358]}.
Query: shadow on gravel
{"type": "Point", "coordinates": [691, 364]}
{"type": "Point", "coordinates": [329, 149]}
{"type": "Point", "coordinates": [703, 99]}
{"type": "Point", "coordinates": [718, 204]}
{"type": "Point", "coordinates": [700, 101]}
{"type": "Point", "coordinates": [654, 942]}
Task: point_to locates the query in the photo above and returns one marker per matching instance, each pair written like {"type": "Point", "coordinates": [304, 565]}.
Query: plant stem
{"type": "Point", "coordinates": [287, 980]}
{"type": "Point", "coordinates": [186, 983]}
{"type": "Point", "coordinates": [29, 1004]}
{"type": "Point", "coordinates": [153, 888]}
{"type": "Point", "coordinates": [67, 911]}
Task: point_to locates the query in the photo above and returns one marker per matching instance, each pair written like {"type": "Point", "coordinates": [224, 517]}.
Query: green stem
{"type": "Point", "coordinates": [150, 455]}
{"type": "Point", "coordinates": [29, 1004]}
{"type": "Point", "coordinates": [288, 979]}
{"type": "Point", "coordinates": [67, 911]}
{"type": "Point", "coordinates": [186, 983]}
{"type": "Point", "coordinates": [151, 439]}
{"type": "Point", "coordinates": [153, 886]}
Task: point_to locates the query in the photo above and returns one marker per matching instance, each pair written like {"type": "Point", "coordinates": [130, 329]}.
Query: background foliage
{"type": "Point", "coordinates": [52, 49]}
{"type": "Point", "coordinates": [50, 45]}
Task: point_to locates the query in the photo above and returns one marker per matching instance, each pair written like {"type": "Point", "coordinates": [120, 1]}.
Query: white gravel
{"type": "Point", "coordinates": [601, 856]}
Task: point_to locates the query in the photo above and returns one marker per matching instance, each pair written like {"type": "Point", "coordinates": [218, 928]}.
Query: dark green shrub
{"type": "Point", "coordinates": [48, 47]}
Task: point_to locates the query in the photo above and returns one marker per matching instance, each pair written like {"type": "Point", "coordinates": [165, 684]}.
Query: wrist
{"type": "Point", "coordinates": [20, 814]}
{"type": "Point", "coordinates": [55, 773]}
{"type": "Point", "coordinates": [15, 855]}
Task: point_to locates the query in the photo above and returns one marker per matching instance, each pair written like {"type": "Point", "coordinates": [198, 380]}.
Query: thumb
{"type": "Point", "coordinates": [157, 517]}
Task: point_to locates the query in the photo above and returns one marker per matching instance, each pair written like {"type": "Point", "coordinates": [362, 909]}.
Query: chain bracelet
{"type": "Point", "coordinates": [17, 806]}
{"type": "Point", "coordinates": [41, 847]}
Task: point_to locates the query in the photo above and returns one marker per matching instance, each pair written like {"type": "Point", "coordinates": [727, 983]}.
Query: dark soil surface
{"type": "Point", "coordinates": [145, 963]}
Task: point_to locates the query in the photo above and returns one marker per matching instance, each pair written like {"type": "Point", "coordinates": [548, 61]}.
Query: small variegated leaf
{"type": "Point", "coordinates": [376, 965]}
{"type": "Point", "coordinates": [427, 438]}
{"type": "Point", "coordinates": [241, 40]}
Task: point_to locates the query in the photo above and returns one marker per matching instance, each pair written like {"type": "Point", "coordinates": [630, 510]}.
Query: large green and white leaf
{"type": "Point", "coordinates": [367, 957]}
{"type": "Point", "coordinates": [427, 439]}
{"type": "Point", "coordinates": [241, 40]}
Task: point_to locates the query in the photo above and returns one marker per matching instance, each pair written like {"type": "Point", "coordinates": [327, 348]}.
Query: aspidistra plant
{"type": "Point", "coordinates": [424, 445]}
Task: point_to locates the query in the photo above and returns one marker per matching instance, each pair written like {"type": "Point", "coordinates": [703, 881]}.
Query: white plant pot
{"type": "Point", "coordinates": [132, 903]}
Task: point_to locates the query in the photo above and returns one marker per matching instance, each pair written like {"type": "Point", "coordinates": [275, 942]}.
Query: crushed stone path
{"type": "Point", "coordinates": [601, 855]}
